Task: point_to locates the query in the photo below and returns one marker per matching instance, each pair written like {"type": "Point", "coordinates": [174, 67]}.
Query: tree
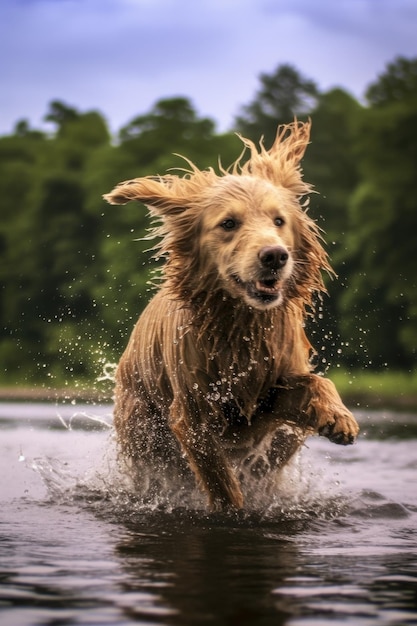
{"type": "Point", "coordinates": [382, 285]}
{"type": "Point", "coordinates": [19, 156]}
{"type": "Point", "coordinates": [330, 165]}
{"type": "Point", "coordinates": [174, 116]}
{"type": "Point", "coordinates": [397, 84]}
{"type": "Point", "coordinates": [60, 114]}
{"type": "Point", "coordinates": [172, 125]}
{"type": "Point", "coordinates": [330, 161]}
{"type": "Point", "coordinates": [22, 129]}
{"type": "Point", "coordinates": [49, 242]}
{"type": "Point", "coordinates": [283, 94]}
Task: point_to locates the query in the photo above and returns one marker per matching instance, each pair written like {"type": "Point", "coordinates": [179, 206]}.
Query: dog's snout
{"type": "Point", "coordinates": [273, 257]}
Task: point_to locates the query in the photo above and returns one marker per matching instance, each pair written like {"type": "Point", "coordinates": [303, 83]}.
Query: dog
{"type": "Point", "coordinates": [217, 375]}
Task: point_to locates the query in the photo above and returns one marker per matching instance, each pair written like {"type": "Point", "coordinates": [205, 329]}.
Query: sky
{"type": "Point", "coordinates": [121, 56]}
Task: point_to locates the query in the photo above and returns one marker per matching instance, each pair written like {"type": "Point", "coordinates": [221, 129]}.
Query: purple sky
{"type": "Point", "coordinates": [120, 56]}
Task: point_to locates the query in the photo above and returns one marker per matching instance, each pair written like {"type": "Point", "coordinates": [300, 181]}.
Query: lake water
{"type": "Point", "coordinates": [337, 545]}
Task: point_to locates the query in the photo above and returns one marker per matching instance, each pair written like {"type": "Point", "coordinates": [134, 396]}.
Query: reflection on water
{"type": "Point", "coordinates": [214, 570]}
{"type": "Point", "coordinates": [337, 545]}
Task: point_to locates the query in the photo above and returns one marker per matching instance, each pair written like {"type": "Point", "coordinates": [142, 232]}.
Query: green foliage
{"type": "Point", "coordinates": [382, 287]}
{"type": "Point", "coordinates": [330, 165]}
{"type": "Point", "coordinates": [283, 95]}
{"type": "Point", "coordinates": [363, 162]}
{"type": "Point", "coordinates": [383, 384]}
{"type": "Point", "coordinates": [397, 84]}
{"type": "Point", "coordinates": [75, 272]}
{"type": "Point", "coordinates": [170, 129]}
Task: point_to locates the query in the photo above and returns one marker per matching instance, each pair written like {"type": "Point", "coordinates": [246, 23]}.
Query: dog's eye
{"type": "Point", "coordinates": [279, 221]}
{"type": "Point", "coordinates": [228, 224]}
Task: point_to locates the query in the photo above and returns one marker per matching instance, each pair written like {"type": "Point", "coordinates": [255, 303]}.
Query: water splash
{"type": "Point", "coordinates": [297, 493]}
{"type": "Point", "coordinates": [108, 372]}
{"type": "Point", "coordinates": [86, 417]}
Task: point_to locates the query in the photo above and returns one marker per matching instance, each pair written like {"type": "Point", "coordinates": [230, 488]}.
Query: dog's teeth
{"type": "Point", "coordinates": [266, 285]}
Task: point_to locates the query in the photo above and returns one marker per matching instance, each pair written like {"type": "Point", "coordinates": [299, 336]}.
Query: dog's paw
{"type": "Point", "coordinates": [340, 427]}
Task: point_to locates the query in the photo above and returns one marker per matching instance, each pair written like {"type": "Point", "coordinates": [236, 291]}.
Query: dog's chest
{"type": "Point", "coordinates": [232, 360]}
{"type": "Point", "coordinates": [240, 377]}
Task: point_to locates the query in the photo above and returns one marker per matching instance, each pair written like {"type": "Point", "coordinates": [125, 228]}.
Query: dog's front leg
{"type": "Point", "coordinates": [321, 404]}
{"type": "Point", "coordinates": [334, 420]}
{"type": "Point", "coordinates": [204, 454]}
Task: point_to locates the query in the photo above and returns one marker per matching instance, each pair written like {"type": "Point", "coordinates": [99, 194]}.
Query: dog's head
{"type": "Point", "coordinates": [248, 235]}
{"type": "Point", "coordinates": [243, 233]}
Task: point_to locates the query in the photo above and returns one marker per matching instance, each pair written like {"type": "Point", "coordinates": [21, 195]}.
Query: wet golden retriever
{"type": "Point", "coordinates": [217, 374]}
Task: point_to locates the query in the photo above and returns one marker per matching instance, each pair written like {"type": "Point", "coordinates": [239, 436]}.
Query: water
{"type": "Point", "coordinates": [338, 545]}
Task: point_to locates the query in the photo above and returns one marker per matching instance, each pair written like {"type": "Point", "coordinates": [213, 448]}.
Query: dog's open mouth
{"type": "Point", "coordinates": [265, 291]}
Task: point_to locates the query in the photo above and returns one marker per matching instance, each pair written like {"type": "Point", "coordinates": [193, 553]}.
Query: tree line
{"type": "Point", "coordinates": [75, 272]}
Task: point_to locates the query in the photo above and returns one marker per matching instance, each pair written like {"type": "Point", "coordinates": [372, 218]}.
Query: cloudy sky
{"type": "Point", "coordinates": [120, 56]}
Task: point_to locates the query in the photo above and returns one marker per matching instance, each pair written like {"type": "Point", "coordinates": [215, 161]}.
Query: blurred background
{"type": "Point", "coordinates": [98, 91]}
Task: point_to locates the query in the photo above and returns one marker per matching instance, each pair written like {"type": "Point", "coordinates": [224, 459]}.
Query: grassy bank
{"type": "Point", "coordinates": [59, 391]}
{"type": "Point", "coordinates": [359, 389]}
{"type": "Point", "coordinates": [377, 389]}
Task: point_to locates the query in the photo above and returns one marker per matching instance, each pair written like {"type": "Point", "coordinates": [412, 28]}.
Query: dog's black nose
{"type": "Point", "coordinates": [273, 257]}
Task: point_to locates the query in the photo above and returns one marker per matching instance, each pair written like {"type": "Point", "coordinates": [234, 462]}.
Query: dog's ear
{"type": "Point", "coordinates": [291, 141]}
{"type": "Point", "coordinates": [162, 193]}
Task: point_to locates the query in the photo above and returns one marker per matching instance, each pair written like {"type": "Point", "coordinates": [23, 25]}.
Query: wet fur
{"type": "Point", "coordinates": [217, 374]}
